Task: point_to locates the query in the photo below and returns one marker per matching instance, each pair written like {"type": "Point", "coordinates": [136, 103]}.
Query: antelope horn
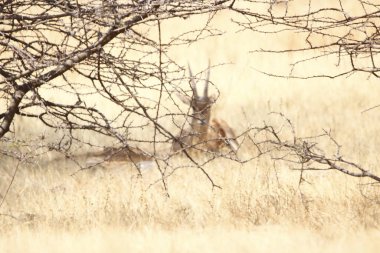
{"type": "Point", "coordinates": [192, 82]}
{"type": "Point", "coordinates": [205, 92]}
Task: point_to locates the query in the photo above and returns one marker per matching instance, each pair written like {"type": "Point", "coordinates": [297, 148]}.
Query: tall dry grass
{"type": "Point", "coordinates": [260, 208]}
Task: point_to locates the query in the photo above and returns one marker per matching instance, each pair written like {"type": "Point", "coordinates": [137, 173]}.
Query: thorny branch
{"type": "Point", "coordinates": [306, 152]}
{"type": "Point", "coordinates": [348, 31]}
{"type": "Point", "coordinates": [95, 68]}
{"type": "Point", "coordinates": [118, 80]}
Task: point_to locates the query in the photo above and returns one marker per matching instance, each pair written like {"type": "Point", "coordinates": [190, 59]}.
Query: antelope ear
{"type": "Point", "coordinates": [185, 99]}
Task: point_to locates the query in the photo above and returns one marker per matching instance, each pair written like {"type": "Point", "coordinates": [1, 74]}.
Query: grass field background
{"type": "Point", "coordinates": [260, 208]}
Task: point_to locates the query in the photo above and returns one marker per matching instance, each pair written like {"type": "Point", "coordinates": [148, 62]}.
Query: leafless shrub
{"type": "Point", "coordinates": [109, 61]}
{"type": "Point", "coordinates": [345, 30]}
{"type": "Point", "coordinates": [312, 153]}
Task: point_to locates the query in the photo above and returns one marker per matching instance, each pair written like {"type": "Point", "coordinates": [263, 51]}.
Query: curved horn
{"type": "Point", "coordinates": [192, 82]}
{"type": "Point", "coordinates": [205, 92]}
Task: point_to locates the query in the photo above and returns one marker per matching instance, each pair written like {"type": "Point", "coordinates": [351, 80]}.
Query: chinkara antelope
{"type": "Point", "coordinates": [205, 133]}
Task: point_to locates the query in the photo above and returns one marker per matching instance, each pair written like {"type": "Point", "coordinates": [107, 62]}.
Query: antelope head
{"type": "Point", "coordinates": [211, 134]}
{"type": "Point", "coordinates": [201, 104]}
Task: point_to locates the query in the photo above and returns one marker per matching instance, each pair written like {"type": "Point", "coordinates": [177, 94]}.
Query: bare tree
{"type": "Point", "coordinates": [313, 153]}
{"type": "Point", "coordinates": [344, 29]}
{"type": "Point", "coordinates": [86, 68]}
{"type": "Point", "coordinates": [347, 31]}
{"type": "Point", "coordinates": [45, 43]}
{"type": "Point", "coordinates": [110, 62]}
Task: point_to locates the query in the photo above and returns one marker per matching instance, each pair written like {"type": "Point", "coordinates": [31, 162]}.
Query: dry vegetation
{"type": "Point", "coordinates": [261, 206]}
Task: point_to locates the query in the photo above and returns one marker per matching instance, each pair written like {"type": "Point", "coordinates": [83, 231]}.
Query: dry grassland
{"type": "Point", "coordinates": [260, 208]}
